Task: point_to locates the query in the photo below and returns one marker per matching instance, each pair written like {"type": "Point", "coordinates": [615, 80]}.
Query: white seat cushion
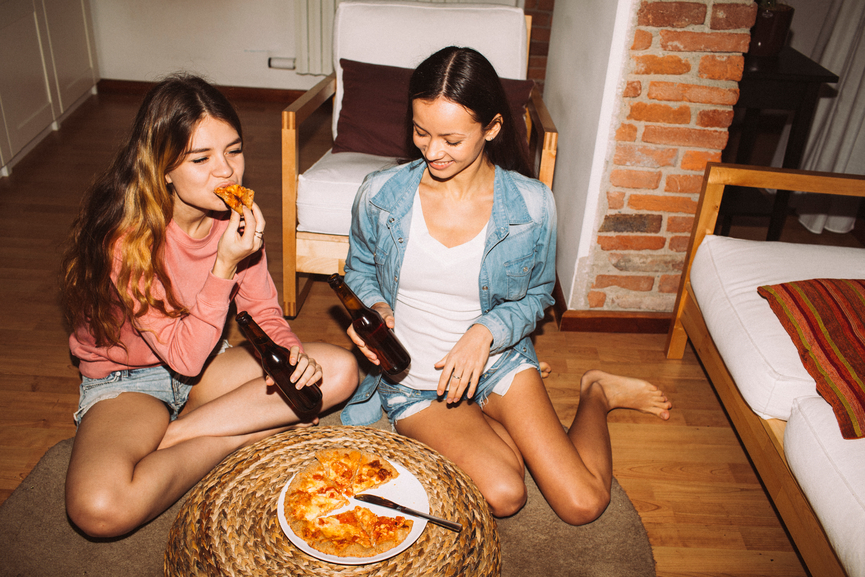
{"type": "Point", "coordinates": [326, 191]}
{"type": "Point", "coordinates": [755, 347]}
{"type": "Point", "coordinates": [830, 470]}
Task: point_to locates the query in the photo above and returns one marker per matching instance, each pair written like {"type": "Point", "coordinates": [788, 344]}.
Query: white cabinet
{"type": "Point", "coordinates": [46, 66]}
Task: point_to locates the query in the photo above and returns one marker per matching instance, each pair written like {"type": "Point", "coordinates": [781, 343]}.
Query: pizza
{"type": "Point", "coordinates": [316, 494]}
{"type": "Point", "coordinates": [236, 196]}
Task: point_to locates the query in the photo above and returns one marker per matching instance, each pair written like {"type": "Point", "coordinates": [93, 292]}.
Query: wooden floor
{"type": "Point", "coordinates": [705, 511]}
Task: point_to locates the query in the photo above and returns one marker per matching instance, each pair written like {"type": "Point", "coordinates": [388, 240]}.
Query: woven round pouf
{"type": "Point", "coordinates": [229, 524]}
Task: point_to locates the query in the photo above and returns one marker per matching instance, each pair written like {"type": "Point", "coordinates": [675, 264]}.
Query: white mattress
{"type": "Point", "coordinates": [830, 470]}
{"type": "Point", "coordinates": [326, 191]}
{"type": "Point", "coordinates": [755, 347]}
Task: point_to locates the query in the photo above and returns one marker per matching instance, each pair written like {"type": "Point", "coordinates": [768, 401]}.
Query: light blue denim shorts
{"type": "Point", "coordinates": [159, 382]}
{"type": "Point", "coordinates": [399, 401]}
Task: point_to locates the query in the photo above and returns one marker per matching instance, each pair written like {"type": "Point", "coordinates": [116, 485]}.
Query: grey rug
{"type": "Point", "coordinates": [39, 541]}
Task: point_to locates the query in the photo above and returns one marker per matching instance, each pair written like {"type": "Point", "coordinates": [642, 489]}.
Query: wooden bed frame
{"type": "Point", "coordinates": [763, 439]}
{"type": "Point", "coordinates": [318, 253]}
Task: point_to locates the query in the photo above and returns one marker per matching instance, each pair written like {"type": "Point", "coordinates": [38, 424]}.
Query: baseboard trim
{"type": "Point", "coordinates": [615, 322]}
{"type": "Point", "coordinates": [108, 85]}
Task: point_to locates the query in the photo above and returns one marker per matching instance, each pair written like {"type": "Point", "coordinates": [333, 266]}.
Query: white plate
{"type": "Point", "coordinates": [405, 490]}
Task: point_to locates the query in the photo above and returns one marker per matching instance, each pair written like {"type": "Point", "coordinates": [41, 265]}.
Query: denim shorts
{"type": "Point", "coordinates": [159, 382]}
{"type": "Point", "coordinates": [399, 401]}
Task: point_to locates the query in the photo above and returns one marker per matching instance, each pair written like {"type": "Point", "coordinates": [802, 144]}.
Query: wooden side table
{"type": "Point", "coordinates": [790, 82]}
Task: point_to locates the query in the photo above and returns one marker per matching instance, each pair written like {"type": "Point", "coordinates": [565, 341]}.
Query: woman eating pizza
{"type": "Point", "coordinates": [456, 250]}
{"type": "Point", "coordinates": [155, 260]}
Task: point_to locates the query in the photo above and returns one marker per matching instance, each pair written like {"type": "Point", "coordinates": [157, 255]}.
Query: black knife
{"type": "Point", "coordinates": [381, 501]}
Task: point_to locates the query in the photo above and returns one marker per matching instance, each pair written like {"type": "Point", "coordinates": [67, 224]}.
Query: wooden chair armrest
{"type": "Point", "coordinates": [299, 110]}
{"type": "Point", "coordinates": [543, 138]}
{"type": "Point", "coordinates": [292, 118]}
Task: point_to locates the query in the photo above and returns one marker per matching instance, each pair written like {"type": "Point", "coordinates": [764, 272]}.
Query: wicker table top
{"type": "Point", "coordinates": [229, 524]}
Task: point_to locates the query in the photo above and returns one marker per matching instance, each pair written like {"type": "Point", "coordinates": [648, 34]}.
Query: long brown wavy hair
{"type": "Point", "coordinates": [125, 213]}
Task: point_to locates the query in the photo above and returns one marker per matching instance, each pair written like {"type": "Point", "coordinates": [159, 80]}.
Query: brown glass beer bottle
{"type": "Point", "coordinates": [275, 360]}
{"type": "Point", "coordinates": [372, 329]}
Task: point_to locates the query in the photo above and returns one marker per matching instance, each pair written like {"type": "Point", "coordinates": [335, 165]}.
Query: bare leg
{"type": "Point", "coordinates": [117, 478]}
{"type": "Point", "coordinates": [466, 436]}
{"type": "Point", "coordinates": [573, 471]}
{"type": "Point", "coordinates": [218, 407]}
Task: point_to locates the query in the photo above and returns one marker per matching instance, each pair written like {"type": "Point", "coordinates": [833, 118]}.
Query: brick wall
{"type": "Point", "coordinates": [679, 89]}
{"type": "Point", "coordinates": [541, 12]}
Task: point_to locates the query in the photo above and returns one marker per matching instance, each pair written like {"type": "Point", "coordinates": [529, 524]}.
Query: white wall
{"type": "Point", "coordinates": [228, 42]}
{"type": "Point", "coordinates": [587, 49]}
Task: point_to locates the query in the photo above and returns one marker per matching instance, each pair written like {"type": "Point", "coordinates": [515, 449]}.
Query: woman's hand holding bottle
{"type": "Point", "coordinates": [241, 239]}
{"type": "Point", "coordinates": [386, 313]}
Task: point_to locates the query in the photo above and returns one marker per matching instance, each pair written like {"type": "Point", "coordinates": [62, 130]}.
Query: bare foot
{"type": "Point", "coordinates": [629, 393]}
{"type": "Point", "coordinates": [545, 368]}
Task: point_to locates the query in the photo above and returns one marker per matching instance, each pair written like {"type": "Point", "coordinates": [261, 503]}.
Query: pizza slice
{"type": "Point", "coordinates": [385, 532]}
{"type": "Point", "coordinates": [372, 472]}
{"type": "Point", "coordinates": [341, 535]}
{"type": "Point", "coordinates": [236, 196]}
{"type": "Point", "coordinates": [340, 465]}
{"type": "Point", "coordinates": [310, 494]}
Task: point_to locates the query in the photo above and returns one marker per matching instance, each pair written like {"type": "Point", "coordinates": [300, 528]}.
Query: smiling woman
{"type": "Point", "coordinates": [154, 262]}
{"type": "Point", "coordinates": [456, 251]}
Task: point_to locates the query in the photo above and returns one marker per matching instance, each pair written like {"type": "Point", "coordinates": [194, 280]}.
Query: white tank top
{"type": "Point", "coordinates": [437, 300]}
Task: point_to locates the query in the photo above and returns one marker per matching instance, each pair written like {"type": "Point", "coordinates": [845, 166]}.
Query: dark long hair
{"type": "Point", "coordinates": [132, 204]}
{"type": "Point", "coordinates": [466, 77]}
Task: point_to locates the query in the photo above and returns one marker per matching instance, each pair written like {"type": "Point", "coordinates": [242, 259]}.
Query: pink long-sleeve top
{"type": "Point", "coordinates": [185, 343]}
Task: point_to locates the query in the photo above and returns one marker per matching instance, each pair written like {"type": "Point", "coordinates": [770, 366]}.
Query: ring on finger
{"type": "Point", "coordinates": [259, 233]}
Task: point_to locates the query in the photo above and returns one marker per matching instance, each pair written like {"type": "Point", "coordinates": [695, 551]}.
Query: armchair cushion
{"type": "Point", "coordinates": [375, 105]}
{"type": "Point", "coordinates": [825, 318]}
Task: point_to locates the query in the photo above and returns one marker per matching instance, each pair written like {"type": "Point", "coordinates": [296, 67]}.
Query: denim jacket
{"type": "Point", "coordinates": [517, 271]}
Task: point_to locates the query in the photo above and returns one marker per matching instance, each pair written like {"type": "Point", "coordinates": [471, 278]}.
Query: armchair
{"type": "Point", "coordinates": [316, 205]}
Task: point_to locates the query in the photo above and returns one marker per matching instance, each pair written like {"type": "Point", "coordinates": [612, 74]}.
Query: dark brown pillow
{"type": "Point", "coordinates": [375, 104]}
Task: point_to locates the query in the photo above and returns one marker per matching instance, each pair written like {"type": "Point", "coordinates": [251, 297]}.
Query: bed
{"type": "Point", "coordinates": [814, 476]}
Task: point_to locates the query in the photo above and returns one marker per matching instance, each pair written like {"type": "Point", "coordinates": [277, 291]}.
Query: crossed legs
{"type": "Point", "coordinates": [573, 470]}
{"type": "Point", "coordinates": [129, 463]}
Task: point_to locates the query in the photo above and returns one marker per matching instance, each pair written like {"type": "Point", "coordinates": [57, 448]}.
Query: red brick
{"type": "Point", "coordinates": [679, 243]}
{"type": "Point", "coordinates": [661, 113]}
{"type": "Point", "coordinates": [691, 137]}
{"type": "Point", "coordinates": [715, 118]}
{"type": "Point", "coordinates": [642, 40]}
{"type": "Point", "coordinates": [681, 92]}
{"type": "Point", "coordinates": [659, 203]}
{"type": "Point", "coordinates": [686, 41]}
{"type": "Point", "coordinates": [722, 67]}
{"type": "Point", "coordinates": [596, 299]}
{"type": "Point", "coordinates": [733, 16]}
{"type": "Point", "coordinates": [644, 156]}
{"type": "Point", "coordinates": [631, 223]}
{"type": "Point", "coordinates": [685, 183]}
{"type": "Point", "coordinates": [615, 200]}
{"type": "Point", "coordinates": [653, 64]}
{"type": "Point", "coordinates": [697, 159]}
{"type": "Point", "coordinates": [669, 283]}
{"type": "Point", "coordinates": [543, 35]}
{"type": "Point", "coordinates": [632, 89]}
{"type": "Point", "coordinates": [627, 132]}
{"type": "Point", "coordinates": [545, 5]}
{"type": "Point", "coordinates": [635, 178]}
{"type": "Point", "coordinates": [540, 18]}
{"type": "Point", "coordinates": [631, 242]}
{"type": "Point", "coordinates": [671, 14]}
{"type": "Point", "coordinates": [680, 223]}
{"type": "Point", "coordinates": [538, 62]}
{"type": "Point", "coordinates": [634, 283]}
